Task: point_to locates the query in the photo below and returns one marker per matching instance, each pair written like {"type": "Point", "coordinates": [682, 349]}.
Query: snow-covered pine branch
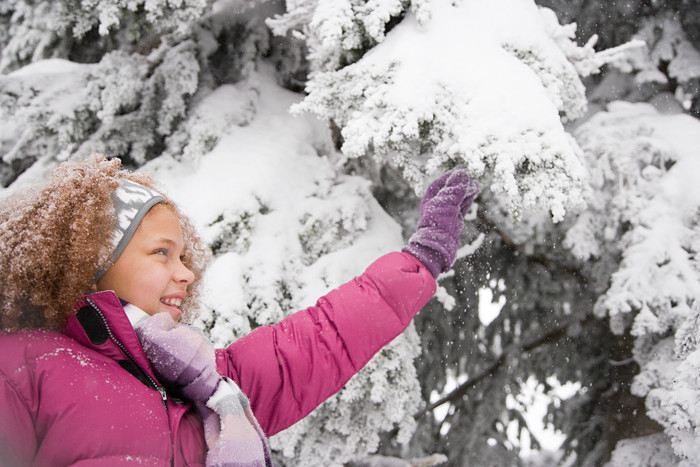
{"type": "Point", "coordinates": [478, 83]}
{"type": "Point", "coordinates": [646, 210]}
{"type": "Point", "coordinates": [34, 28]}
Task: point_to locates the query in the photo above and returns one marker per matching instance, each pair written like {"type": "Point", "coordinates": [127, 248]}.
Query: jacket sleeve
{"type": "Point", "coordinates": [289, 368]}
{"type": "Point", "coordinates": [18, 442]}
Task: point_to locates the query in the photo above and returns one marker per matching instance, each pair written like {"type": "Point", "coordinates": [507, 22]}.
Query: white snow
{"type": "Point", "coordinates": [303, 229]}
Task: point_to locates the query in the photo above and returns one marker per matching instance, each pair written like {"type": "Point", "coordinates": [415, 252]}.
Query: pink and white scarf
{"type": "Point", "coordinates": [184, 361]}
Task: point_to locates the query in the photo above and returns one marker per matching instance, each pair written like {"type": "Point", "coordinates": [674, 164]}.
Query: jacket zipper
{"type": "Point", "coordinates": [154, 383]}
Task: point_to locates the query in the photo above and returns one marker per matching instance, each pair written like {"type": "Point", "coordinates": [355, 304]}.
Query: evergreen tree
{"type": "Point", "coordinates": [585, 236]}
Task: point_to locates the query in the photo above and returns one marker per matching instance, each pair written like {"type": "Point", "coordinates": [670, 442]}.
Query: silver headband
{"type": "Point", "coordinates": [132, 201]}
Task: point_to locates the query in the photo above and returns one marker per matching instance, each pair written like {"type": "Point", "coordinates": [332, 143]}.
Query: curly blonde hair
{"type": "Point", "coordinates": [56, 235]}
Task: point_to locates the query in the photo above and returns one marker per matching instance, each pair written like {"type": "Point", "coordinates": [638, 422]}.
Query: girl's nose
{"type": "Point", "coordinates": [183, 275]}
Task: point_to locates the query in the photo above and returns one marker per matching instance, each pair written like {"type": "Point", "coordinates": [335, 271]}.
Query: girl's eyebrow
{"type": "Point", "coordinates": [167, 240]}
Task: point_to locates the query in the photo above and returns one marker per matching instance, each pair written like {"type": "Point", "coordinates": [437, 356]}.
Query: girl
{"type": "Point", "coordinates": [98, 267]}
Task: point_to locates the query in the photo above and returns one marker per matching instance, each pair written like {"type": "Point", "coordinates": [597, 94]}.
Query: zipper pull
{"type": "Point", "coordinates": [163, 395]}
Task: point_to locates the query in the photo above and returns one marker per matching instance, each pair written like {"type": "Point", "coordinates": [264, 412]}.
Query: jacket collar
{"type": "Point", "coordinates": [100, 323]}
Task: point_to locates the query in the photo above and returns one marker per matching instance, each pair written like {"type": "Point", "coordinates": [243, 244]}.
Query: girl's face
{"type": "Point", "coordinates": [149, 273]}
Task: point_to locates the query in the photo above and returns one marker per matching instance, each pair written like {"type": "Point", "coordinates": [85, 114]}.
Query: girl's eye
{"type": "Point", "coordinates": [161, 251]}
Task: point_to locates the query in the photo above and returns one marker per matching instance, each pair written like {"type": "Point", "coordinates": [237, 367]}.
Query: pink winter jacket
{"type": "Point", "coordinates": [88, 396]}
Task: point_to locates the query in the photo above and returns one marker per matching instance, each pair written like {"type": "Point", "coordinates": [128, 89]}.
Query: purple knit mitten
{"type": "Point", "coordinates": [181, 357]}
{"type": "Point", "coordinates": [442, 212]}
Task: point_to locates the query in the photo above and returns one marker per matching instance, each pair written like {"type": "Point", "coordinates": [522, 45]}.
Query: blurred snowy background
{"type": "Point", "coordinates": [299, 137]}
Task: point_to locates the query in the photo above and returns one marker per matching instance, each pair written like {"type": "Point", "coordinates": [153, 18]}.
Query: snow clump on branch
{"type": "Point", "coordinates": [459, 83]}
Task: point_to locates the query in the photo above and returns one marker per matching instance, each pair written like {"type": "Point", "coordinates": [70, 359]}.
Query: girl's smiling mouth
{"type": "Point", "coordinates": [172, 301]}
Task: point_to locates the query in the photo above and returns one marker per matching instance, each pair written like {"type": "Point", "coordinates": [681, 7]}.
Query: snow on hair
{"type": "Point", "coordinates": [54, 236]}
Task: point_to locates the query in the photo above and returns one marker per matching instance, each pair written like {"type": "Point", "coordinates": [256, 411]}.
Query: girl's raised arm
{"type": "Point", "coordinates": [288, 369]}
